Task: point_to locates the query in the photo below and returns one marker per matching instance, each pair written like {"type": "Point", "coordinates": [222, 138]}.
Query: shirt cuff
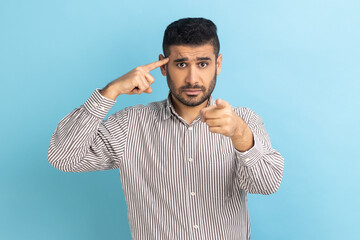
{"type": "Point", "coordinates": [250, 157]}
{"type": "Point", "coordinates": [98, 105]}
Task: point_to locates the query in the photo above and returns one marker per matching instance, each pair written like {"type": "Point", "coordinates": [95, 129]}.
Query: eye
{"type": "Point", "coordinates": [203, 64]}
{"type": "Point", "coordinates": [181, 65]}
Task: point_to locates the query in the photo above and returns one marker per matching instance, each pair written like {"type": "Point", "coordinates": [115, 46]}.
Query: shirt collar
{"type": "Point", "coordinates": [170, 110]}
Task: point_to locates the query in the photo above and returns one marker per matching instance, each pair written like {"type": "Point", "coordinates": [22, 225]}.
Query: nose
{"type": "Point", "coordinates": [192, 77]}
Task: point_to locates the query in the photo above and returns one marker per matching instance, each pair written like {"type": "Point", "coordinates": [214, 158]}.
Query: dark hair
{"type": "Point", "coordinates": [191, 31]}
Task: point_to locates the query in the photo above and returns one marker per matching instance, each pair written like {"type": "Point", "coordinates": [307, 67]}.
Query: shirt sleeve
{"type": "Point", "coordinates": [83, 141]}
{"type": "Point", "coordinates": [260, 169]}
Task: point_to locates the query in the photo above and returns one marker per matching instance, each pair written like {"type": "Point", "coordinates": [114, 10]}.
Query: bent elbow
{"type": "Point", "coordinates": [271, 190]}
{"type": "Point", "coordinates": [57, 162]}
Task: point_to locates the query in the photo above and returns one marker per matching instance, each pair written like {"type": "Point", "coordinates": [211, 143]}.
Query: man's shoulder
{"type": "Point", "coordinates": [243, 110]}
{"type": "Point", "coordinates": [152, 109]}
{"type": "Point", "coordinates": [152, 106]}
{"type": "Point", "coordinates": [247, 114]}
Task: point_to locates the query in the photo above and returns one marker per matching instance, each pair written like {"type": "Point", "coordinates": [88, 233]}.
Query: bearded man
{"type": "Point", "coordinates": [186, 163]}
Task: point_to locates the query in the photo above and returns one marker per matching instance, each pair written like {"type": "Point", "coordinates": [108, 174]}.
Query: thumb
{"type": "Point", "coordinates": [220, 103]}
{"type": "Point", "coordinates": [148, 90]}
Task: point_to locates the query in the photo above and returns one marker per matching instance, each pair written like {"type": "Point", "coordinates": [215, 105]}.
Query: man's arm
{"type": "Point", "coordinates": [259, 166]}
{"type": "Point", "coordinates": [259, 169]}
{"type": "Point", "coordinates": [83, 141]}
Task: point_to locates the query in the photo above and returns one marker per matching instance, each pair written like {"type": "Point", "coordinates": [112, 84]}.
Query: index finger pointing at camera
{"type": "Point", "coordinates": [221, 103]}
{"type": "Point", "coordinates": [214, 111]}
{"type": "Point", "coordinates": [153, 65]}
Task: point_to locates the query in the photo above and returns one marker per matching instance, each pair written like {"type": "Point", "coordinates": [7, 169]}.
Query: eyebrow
{"type": "Point", "coordinates": [187, 59]}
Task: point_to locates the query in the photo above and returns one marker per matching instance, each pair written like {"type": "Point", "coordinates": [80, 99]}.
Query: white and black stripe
{"type": "Point", "coordinates": [180, 181]}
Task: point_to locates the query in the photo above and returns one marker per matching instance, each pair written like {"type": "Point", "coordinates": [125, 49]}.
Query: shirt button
{"type": "Point", "coordinates": [192, 193]}
{"type": "Point", "coordinates": [190, 128]}
{"type": "Point", "coordinates": [247, 159]}
{"type": "Point", "coordinates": [95, 104]}
{"type": "Point", "coordinates": [190, 159]}
{"type": "Point", "coordinates": [196, 226]}
{"type": "Point", "coordinates": [102, 108]}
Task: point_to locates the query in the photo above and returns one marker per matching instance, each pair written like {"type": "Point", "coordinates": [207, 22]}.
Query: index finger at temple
{"type": "Point", "coordinates": [153, 65]}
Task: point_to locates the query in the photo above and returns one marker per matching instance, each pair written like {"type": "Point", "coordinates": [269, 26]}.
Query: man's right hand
{"type": "Point", "coordinates": [136, 81]}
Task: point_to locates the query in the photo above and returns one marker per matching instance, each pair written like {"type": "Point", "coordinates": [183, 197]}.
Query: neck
{"type": "Point", "coordinates": [188, 113]}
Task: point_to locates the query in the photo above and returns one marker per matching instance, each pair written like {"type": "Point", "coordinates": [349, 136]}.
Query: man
{"type": "Point", "coordinates": [186, 163]}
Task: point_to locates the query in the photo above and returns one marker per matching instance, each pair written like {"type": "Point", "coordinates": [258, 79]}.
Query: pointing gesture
{"type": "Point", "coordinates": [221, 110]}
{"type": "Point", "coordinates": [222, 119]}
{"type": "Point", "coordinates": [136, 81]}
{"type": "Point", "coordinates": [220, 104]}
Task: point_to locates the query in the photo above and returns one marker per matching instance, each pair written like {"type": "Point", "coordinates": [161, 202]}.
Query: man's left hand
{"type": "Point", "coordinates": [222, 119]}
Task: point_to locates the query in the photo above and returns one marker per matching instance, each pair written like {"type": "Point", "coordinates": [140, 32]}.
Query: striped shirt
{"type": "Point", "coordinates": [180, 181]}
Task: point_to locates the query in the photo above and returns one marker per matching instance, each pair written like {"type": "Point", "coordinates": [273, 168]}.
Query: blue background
{"type": "Point", "coordinates": [295, 63]}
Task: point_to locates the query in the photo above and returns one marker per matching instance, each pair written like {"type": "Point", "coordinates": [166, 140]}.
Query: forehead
{"type": "Point", "coordinates": [191, 52]}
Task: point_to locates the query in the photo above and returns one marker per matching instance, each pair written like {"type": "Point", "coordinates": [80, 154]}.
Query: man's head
{"type": "Point", "coordinates": [193, 47]}
{"type": "Point", "coordinates": [192, 32]}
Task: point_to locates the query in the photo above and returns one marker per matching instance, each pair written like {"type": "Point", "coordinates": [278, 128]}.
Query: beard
{"type": "Point", "coordinates": [191, 101]}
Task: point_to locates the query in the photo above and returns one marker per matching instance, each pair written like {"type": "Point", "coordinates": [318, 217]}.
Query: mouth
{"type": "Point", "coordinates": [192, 92]}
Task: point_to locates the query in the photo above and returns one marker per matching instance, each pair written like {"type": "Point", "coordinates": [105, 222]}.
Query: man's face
{"type": "Point", "coordinates": [191, 73]}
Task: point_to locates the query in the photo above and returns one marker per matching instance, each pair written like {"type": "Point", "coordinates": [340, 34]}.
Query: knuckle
{"type": "Point", "coordinates": [134, 81]}
{"type": "Point", "coordinates": [139, 79]}
{"type": "Point", "coordinates": [150, 78]}
{"type": "Point", "coordinates": [228, 116]}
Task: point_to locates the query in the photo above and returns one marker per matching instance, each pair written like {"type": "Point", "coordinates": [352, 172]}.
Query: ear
{"type": "Point", "coordinates": [218, 64]}
{"type": "Point", "coordinates": [163, 67]}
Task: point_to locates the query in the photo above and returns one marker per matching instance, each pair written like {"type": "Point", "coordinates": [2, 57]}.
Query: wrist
{"type": "Point", "coordinates": [243, 138]}
{"type": "Point", "coordinates": [243, 144]}
{"type": "Point", "coordinates": [109, 93]}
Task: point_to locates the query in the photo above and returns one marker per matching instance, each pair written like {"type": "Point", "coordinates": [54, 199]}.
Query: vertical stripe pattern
{"type": "Point", "coordinates": [180, 181]}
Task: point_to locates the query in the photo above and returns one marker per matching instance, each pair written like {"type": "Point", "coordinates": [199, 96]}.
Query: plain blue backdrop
{"type": "Point", "coordinates": [295, 63]}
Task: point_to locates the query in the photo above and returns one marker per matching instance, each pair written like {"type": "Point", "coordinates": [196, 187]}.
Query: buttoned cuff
{"type": "Point", "coordinates": [98, 105]}
{"type": "Point", "coordinates": [252, 156]}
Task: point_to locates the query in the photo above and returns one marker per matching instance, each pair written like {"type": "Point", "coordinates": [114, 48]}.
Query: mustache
{"type": "Point", "coordinates": [195, 87]}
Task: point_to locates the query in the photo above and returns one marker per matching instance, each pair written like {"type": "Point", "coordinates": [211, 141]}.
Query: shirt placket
{"type": "Point", "coordinates": [192, 186]}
